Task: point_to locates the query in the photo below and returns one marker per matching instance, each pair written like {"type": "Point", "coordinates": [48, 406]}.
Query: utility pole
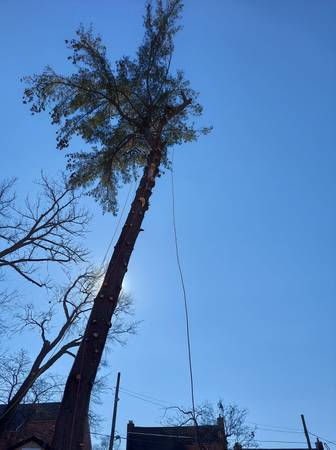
{"type": "Point", "coordinates": [114, 417]}
{"type": "Point", "coordinates": [306, 431]}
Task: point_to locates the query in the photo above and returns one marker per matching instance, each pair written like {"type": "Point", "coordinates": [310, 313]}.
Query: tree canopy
{"type": "Point", "coordinates": [118, 110]}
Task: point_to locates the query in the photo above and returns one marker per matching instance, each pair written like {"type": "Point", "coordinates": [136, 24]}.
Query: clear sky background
{"type": "Point", "coordinates": [255, 206]}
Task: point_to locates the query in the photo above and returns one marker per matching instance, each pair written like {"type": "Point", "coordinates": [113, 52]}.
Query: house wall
{"type": "Point", "coordinates": [43, 430]}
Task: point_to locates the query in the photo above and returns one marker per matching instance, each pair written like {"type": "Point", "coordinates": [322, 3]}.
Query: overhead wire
{"type": "Point", "coordinates": [283, 442]}
{"type": "Point", "coordinates": [143, 399]}
{"type": "Point", "coordinates": [289, 429]}
{"type": "Point", "coordinates": [321, 437]}
{"type": "Point", "coordinates": [279, 431]}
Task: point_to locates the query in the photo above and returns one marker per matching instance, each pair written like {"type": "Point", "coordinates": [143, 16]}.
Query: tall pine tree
{"type": "Point", "coordinates": [130, 115]}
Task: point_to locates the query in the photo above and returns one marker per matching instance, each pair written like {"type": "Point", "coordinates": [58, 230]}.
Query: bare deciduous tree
{"type": "Point", "coordinates": [236, 428]}
{"type": "Point", "coordinates": [44, 231]}
{"type": "Point", "coordinates": [21, 377]}
{"type": "Point", "coordinates": [14, 368]}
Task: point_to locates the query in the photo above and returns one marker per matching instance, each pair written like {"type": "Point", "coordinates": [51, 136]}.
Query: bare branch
{"type": "Point", "coordinates": [7, 299]}
{"type": "Point", "coordinates": [45, 231]}
{"type": "Point", "coordinates": [236, 429]}
{"type": "Point", "coordinates": [12, 372]}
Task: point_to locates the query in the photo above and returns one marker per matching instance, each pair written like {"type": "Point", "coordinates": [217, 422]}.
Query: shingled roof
{"type": "Point", "coordinates": [31, 423]}
{"type": "Point", "coordinates": [38, 412]}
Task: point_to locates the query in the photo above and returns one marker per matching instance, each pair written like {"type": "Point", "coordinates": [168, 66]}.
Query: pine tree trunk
{"type": "Point", "coordinates": [70, 425]}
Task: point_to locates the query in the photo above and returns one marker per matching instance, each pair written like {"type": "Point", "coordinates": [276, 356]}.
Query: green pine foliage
{"type": "Point", "coordinates": [120, 110]}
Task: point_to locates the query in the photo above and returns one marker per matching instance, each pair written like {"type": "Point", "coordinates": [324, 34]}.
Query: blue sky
{"type": "Point", "coordinates": [255, 205]}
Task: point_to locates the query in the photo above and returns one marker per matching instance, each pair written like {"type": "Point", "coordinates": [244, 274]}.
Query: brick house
{"type": "Point", "coordinates": [32, 428]}
{"type": "Point", "coordinates": [211, 437]}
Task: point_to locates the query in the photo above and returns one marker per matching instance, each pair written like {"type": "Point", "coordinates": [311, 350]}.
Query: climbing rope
{"type": "Point", "coordinates": [183, 290]}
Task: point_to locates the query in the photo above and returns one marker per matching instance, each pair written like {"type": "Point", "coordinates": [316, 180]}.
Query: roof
{"type": "Point", "coordinates": [34, 423]}
{"type": "Point", "coordinates": [39, 412]}
{"type": "Point", "coordinates": [33, 439]}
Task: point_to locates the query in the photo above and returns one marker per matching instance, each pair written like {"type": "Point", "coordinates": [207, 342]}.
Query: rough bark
{"type": "Point", "coordinates": [70, 426]}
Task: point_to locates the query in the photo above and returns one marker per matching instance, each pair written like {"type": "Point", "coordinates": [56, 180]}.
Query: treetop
{"type": "Point", "coordinates": [120, 111]}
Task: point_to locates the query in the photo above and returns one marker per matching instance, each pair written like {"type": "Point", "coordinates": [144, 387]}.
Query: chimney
{"type": "Point", "coordinates": [221, 432]}
{"type": "Point", "coordinates": [220, 423]}
{"type": "Point", "coordinates": [130, 426]}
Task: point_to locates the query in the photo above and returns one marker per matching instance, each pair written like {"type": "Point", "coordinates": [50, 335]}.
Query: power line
{"type": "Point", "coordinates": [289, 429]}
{"type": "Point", "coordinates": [99, 434]}
{"type": "Point", "coordinates": [321, 437]}
{"type": "Point", "coordinates": [285, 442]}
{"type": "Point", "coordinates": [160, 435]}
{"type": "Point", "coordinates": [147, 396]}
{"type": "Point", "coordinates": [143, 399]}
{"type": "Point", "coordinates": [279, 431]}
